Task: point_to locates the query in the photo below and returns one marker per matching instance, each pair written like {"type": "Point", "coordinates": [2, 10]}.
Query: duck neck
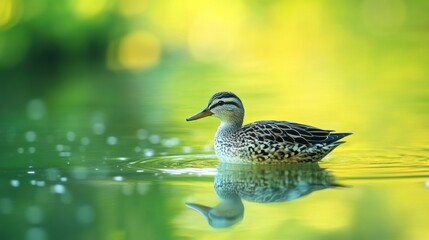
{"type": "Point", "coordinates": [227, 128]}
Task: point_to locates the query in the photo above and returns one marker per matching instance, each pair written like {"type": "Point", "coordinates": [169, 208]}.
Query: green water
{"type": "Point", "coordinates": [86, 179]}
{"type": "Point", "coordinates": [94, 97]}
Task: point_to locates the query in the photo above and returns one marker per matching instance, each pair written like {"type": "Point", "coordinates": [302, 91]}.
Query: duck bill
{"type": "Point", "coordinates": [203, 210]}
{"type": "Point", "coordinates": [204, 113]}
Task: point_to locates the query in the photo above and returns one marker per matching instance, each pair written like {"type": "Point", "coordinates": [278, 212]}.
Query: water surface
{"type": "Point", "coordinates": [87, 185]}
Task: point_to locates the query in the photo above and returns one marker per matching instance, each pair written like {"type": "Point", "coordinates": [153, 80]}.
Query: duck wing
{"type": "Point", "coordinates": [289, 132]}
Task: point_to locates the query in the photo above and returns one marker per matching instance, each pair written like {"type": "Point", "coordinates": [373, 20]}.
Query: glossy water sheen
{"type": "Point", "coordinates": [94, 97]}
{"type": "Point", "coordinates": [86, 185]}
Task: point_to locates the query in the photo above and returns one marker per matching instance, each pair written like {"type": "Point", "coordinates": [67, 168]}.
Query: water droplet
{"type": "Point", "coordinates": [171, 142]}
{"type": "Point", "coordinates": [14, 183]}
{"type": "Point", "coordinates": [71, 136]}
{"type": "Point", "coordinates": [140, 170]}
{"type": "Point", "coordinates": [63, 179]}
{"type": "Point", "coordinates": [30, 136]}
{"type": "Point", "coordinates": [80, 173]}
{"type": "Point", "coordinates": [98, 128]}
{"type": "Point", "coordinates": [122, 158]}
{"type": "Point", "coordinates": [84, 214]}
{"type": "Point", "coordinates": [34, 215]}
{"type": "Point", "coordinates": [37, 183]}
{"type": "Point", "coordinates": [187, 149]}
{"type": "Point", "coordinates": [154, 139]}
{"type": "Point", "coordinates": [137, 149]}
{"type": "Point", "coordinates": [65, 154]}
{"type": "Point", "coordinates": [52, 174]}
{"type": "Point", "coordinates": [141, 134]}
{"type": "Point", "coordinates": [207, 148]}
{"type": "Point", "coordinates": [112, 140]}
{"type": "Point", "coordinates": [148, 152]}
{"type": "Point", "coordinates": [58, 188]}
{"type": "Point", "coordinates": [84, 141]}
{"type": "Point", "coordinates": [427, 183]}
{"type": "Point", "coordinates": [31, 150]}
{"type": "Point", "coordinates": [6, 206]}
{"type": "Point", "coordinates": [40, 183]}
{"type": "Point", "coordinates": [20, 150]}
{"type": "Point", "coordinates": [59, 147]}
{"type": "Point", "coordinates": [36, 233]}
{"type": "Point", "coordinates": [36, 109]}
{"type": "Point", "coordinates": [118, 178]}
{"type": "Point", "coordinates": [31, 172]}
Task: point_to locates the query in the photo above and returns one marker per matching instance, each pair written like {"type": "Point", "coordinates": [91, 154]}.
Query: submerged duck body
{"type": "Point", "coordinates": [264, 141]}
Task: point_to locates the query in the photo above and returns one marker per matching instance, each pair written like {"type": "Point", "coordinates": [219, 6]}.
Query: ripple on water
{"type": "Point", "coordinates": [369, 164]}
{"type": "Point", "coordinates": [196, 164]}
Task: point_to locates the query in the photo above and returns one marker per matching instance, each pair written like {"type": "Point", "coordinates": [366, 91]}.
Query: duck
{"type": "Point", "coordinates": [264, 142]}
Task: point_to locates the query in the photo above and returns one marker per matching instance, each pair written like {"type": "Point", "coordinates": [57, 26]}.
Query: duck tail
{"type": "Point", "coordinates": [334, 137]}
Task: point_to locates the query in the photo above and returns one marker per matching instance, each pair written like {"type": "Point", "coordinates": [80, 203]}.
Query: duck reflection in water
{"type": "Point", "coordinates": [262, 184]}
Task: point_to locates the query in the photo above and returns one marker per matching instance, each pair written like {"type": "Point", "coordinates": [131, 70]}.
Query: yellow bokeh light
{"type": "Point", "coordinates": [132, 7]}
{"type": "Point", "coordinates": [212, 37]}
{"type": "Point", "coordinates": [139, 50]}
{"type": "Point", "coordinates": [89, 9]}
{"type": "Point", "coordinates": [10, 12]}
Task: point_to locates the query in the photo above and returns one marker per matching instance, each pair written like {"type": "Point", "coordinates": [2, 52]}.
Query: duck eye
{"type": "Point", "coordinates": [221, 103]}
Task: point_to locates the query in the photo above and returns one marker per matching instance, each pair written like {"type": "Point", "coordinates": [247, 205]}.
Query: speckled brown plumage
{"type": "Point", "coordinates": [264, 141]}
{"type": "Point", "coordinates": [277, 141]}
